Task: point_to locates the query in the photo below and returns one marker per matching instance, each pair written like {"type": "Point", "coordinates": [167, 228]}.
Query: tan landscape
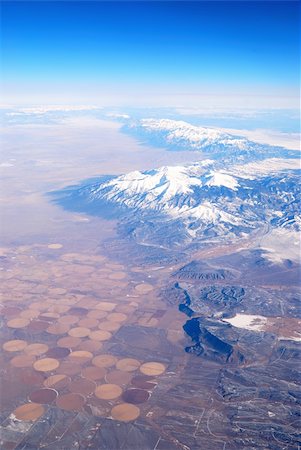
{"type": "Point", "coordinates": [64, 302]}
{"type": "Point", "coordinates": [92, 344]}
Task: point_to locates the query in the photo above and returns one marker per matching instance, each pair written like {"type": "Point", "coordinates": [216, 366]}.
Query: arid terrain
{"type": "Point", "coordinates": [107, 344]}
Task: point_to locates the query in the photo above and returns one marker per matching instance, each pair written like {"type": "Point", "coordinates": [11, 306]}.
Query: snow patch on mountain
{"type": "Point", "coordinates": [210, 213]}
{"type": "Point", "coordinates": [222, 179]}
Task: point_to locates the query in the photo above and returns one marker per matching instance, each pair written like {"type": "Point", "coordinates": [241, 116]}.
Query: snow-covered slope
{"type": "Point", "coordinates": [202, 199]}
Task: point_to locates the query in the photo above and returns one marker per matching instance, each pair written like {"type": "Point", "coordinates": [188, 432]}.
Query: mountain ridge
{"type": "Point", "coordinates": [205, 200]}
{"type": "Point", "coordinates": [215, 143]}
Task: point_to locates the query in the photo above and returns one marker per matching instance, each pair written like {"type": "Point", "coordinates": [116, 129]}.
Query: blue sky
{"type": "Point", "coordinates": [135, 52]}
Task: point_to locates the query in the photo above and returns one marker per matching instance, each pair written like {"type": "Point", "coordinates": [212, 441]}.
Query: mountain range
{"type": "Point", "coordinates": [209, 200]}
{"type": "Point", "coordinates": [216, 143]}
{"type": "Point", "coordinates": [175, 205]}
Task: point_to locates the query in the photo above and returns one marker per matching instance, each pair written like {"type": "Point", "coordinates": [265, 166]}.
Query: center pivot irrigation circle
{"type": "Point", "coordinates": [125, 412]}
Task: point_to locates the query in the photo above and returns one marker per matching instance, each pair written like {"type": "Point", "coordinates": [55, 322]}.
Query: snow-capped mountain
{"type": "Point", "coordinates": [183, 133]}
{"type": "Point", "coordinates": [241, 187]}
{"type": "Point", "coordinates": [199, 201]}
{"type": "Point", "coordinates": [216, 143]}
